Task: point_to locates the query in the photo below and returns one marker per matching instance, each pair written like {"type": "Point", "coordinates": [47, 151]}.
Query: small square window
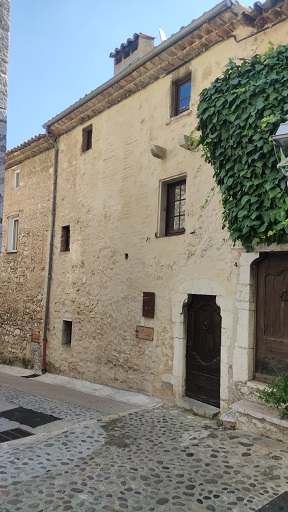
{"type": "Point", "coordinates": [87, 138]}
{"type": "Point", "coordinates": [65, 239]}
{"type": "Point", "coordinates": [67, 332]}
{"type": "Point", "coordinates": [181, 96]}
{"type": "Point", "coordinates": [12, 242]}
{"type": "Point", "coordinates": [172, 207]}
{"type": "Point", "coordinates": [17, 179]}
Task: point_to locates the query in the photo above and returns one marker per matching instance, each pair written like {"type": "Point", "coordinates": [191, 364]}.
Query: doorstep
{"type": "Point", "coordinates": [257, 418]}
{"type": "Point", "coordinates": [199, 408]}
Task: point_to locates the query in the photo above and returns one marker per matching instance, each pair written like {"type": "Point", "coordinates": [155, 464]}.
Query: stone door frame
{"type": "Point", "coordinates": [179, 320]}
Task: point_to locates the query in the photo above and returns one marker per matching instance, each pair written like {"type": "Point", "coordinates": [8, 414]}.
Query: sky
{"type": "Point", "coordinates": [59, 50]}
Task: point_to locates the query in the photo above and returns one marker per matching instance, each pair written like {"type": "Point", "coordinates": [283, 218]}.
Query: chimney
{"type": "Point", "coordinates": [133, 49]}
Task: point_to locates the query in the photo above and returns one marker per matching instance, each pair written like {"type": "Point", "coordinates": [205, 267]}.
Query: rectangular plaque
{"type": "Point", "coordinates": [148, 305]}
{"type": "Point", "coordinates": [35, 336]}
{"type": "Point", "coordinates": [144, 333]}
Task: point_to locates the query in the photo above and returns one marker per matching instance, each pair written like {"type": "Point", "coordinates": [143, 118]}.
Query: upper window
{"type": "Point", "coordinates": [12, 242]}
{"type": "Point", "coordinates": [175, 208]}
{"type": "Point", "coordinates": [87, 138]}
{"type": "Point", "coordinates": [182, 95]}
{"type": "Point", "coordinates": [172, 202]}
{"type": "Point", "coordinates": [17, 178]}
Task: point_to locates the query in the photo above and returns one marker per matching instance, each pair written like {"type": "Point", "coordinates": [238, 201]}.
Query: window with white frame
{"type": "Point", "coordinates": [172, 205]}
{"type": "Point", "coordinates": [12, 242]}
{"type": "Point", "coordinates": [17, 178]}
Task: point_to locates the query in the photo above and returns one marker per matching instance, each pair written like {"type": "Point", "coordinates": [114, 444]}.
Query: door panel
{"type": "Point", "coordinates": [203, 350]}
{"type": "Point", "coordinates": [272, 316]}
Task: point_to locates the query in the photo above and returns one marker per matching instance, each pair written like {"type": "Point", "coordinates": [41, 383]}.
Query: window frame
{"type": "Point", "coordinates": [162, 208]}
{"type": "Point", "coordinates": [168, 230]}
{"type": "Point", "coordinates": [13, 233]}
{"type": "Point", "coordinates": [87, 134]}
{"type": "Point", "coordinates": [176, 111]}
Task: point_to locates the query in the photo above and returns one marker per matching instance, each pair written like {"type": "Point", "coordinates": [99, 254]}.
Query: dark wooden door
{"type": "Point", "coordinates": [203, 350]}
{"type": "Point", "coordinates": [272, 316]}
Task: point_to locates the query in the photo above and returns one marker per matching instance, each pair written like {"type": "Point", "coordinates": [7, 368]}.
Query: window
{"type": "Point", "coordinates": [65, 239]}
{"type": "Point", "coordinates": [172, 207]}
{"type": "Point", "coordinates": [67, 332]}
{"type": "Point", "coordinates": [181, 96]}
{"type": "Point", "coordinates": [12, 233]}
{"type": "Point", "coordinates": [17, 179]}
{"type": "Point", "coordinates": [87, 138]}
{"type": "Point", "coordinates": [175, 209]}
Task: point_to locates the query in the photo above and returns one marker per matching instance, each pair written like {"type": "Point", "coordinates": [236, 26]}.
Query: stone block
{"type": "Point", "coordinates": [243, 361]}
{"type": "Point", "coordinates": [245, 329]}
{"type": "Point", "coordinates": [199, 408]}
{"type": "Point", "coordinates": [158, 151]}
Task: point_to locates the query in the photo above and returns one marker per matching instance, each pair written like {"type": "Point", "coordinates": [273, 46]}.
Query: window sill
{"type": "Point", "coordinates": [169, 235]}
{"type": "Point", "coordinates": [176, 233]}
{"type": "Point", "coordinates": [180, 116]}
{"type": "Point", "coordinates": [11, 252]}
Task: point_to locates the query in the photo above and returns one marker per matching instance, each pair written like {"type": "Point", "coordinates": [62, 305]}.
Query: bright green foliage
{"type": "Point", "coordinates": [276, 394]}
{"type": "Point", "coordinates": [237, 115]}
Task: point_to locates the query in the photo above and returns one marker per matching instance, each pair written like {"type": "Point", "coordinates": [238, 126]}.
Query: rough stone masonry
{"type": "Point", "coordinates": [4, 48]}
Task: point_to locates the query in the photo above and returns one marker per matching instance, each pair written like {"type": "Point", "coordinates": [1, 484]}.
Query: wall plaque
{"type": "Point", "coordinates": [35, 336]}
{"type": "Point", "coordinates": [144, 333]}
{"type": "Point", "coordinates": [148, 305]}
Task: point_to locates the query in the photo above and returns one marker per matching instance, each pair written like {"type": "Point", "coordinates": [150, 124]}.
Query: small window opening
{"type": "Point", "coordinates": [17, 179]}
{"type": "Point", "coordinates": [87, 138]}
{"type": "Point", "coordinates": [65, 239]}
{"type": "Point", "coordinates": [13, 227]}
{"type": "Point", "coordinates": [66, 332]}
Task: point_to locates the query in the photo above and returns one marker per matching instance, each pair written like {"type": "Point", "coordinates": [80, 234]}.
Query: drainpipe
{"type": "Point", "coordinates": [50, 256]}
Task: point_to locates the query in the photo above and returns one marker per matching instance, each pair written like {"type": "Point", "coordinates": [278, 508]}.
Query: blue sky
{"type": "Point", "coordinates": [59, 50]}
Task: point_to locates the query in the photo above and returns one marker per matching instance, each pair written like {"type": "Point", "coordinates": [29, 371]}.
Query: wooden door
{"type": "Point", "coordinates": [272, 316]}
{"type": "Point", "coordinates": [203, 350]}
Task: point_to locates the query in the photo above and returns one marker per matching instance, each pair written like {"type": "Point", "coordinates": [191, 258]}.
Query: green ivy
{"type": "Point", "coordinates": [237, 114]}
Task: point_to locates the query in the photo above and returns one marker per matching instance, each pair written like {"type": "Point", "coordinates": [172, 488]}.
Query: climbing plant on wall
{"type": "Point", "coordinates": [237, 114]}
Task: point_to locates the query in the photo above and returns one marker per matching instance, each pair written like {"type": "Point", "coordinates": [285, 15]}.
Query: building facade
{"type": "Point", "coordinates": [114, 250]}
{"type": "Point", "coordinates": [4, 49]}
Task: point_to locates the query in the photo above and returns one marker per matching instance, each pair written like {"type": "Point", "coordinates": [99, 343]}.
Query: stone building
{"type": "Point", "coordinates": [111, 268]}
{"type": "Point", "coordinates": [4, 49]}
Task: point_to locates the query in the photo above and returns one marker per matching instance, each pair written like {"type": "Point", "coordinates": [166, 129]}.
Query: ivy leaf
{"type": "Point", "coordinates": [237, 115]}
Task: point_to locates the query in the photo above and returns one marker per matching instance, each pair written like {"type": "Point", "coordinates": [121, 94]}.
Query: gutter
{"type": "Point", "coordinates": [194, 25]}
{"type": "Point", "coordinates": [50, 256]}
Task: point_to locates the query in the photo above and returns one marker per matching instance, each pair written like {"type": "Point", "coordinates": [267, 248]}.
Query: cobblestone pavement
{"type": "Point", "coordinates": [149, 460]}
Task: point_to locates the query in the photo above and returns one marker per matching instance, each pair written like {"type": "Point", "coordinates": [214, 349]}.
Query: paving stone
{"type": "Point", "coordinates": [142, 461]}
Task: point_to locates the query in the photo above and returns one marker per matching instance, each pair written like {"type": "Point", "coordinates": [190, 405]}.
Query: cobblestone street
{"type": "Point", "coordinates": [159, 458]}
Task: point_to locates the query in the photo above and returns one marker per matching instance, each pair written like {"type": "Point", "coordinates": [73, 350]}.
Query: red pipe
{"type": "Point", "coordinates": [44, 355]}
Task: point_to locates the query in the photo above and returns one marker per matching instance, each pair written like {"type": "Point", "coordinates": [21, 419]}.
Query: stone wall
{"type": "Point", "coordinates": [23, 274]}
{"type": "Point", "coordinates": [4, 49]}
